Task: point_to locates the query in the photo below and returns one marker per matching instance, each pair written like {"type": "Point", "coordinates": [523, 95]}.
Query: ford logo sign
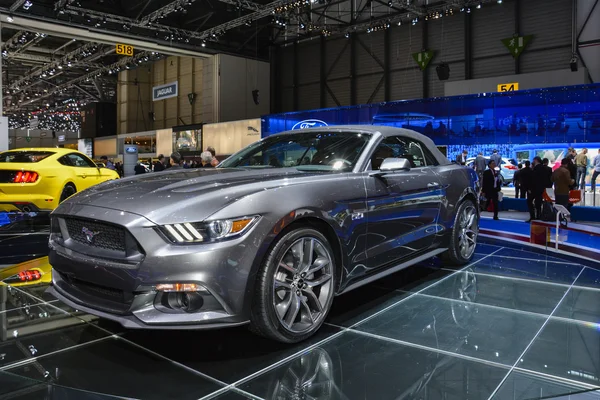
{"type": "Point", "coordinates": [309, 123]}
{"type": "Point", "coordinates": [131, 150]}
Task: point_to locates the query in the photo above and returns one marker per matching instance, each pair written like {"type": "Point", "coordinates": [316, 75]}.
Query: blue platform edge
{"type": "Point", "coordinates": [578, 213]}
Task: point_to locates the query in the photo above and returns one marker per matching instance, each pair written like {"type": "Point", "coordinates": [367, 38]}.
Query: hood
{"type": "Point", "coordinates": [201, 192]}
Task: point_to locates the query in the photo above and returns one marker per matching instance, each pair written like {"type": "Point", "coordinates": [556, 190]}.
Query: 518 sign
{"type": "Point", "coordinates": [124, 49]}
{"type": "Point", "coordinates": [508, 87]}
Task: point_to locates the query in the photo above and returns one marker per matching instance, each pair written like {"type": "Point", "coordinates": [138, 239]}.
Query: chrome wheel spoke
{"type": "Point", "coordinates": [293, 310]}
{"type": "Point", "coordinates": [312, 297]}
{"type": "Point", "coordinates": [287, 267]}
{"type": "Point", "coordinates": [282, 285]}
{"type": "Point", "coordinates": [318, 282]}
{"type": "Point", "coordinates": [308, 248]}
{"type": "Point", "coordinates": [318, 265]}
{"type": "Point", "coordinates": [308, 311]}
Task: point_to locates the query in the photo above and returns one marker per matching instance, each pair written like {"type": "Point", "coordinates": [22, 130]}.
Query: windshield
{"type": "Point", "coordinates": [328, 151]}
{"type": "Point", "coordinates": [24, 156]}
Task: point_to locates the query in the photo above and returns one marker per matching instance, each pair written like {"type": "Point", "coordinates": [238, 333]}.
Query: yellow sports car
{"type": "Point", "coordinates": [34, 180]}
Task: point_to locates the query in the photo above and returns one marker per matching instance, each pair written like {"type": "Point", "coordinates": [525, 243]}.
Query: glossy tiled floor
{"type": "Point", "coordinates": [513, 325]}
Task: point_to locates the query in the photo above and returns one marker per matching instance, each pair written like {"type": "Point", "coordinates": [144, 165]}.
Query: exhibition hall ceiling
{"type": "Point", "coordinates": [49, 71]}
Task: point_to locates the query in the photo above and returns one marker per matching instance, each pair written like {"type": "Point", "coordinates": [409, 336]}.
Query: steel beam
{"type": "Point", "coordinates": [15, 6]}
{"type": "Point", "coordinates": [295, 77]}
{"type": "Point", "coordinates": [99, 36]}
{"type": "Point", "coordinates": [468, 25]}
{"type": "Point", "coordinates": [387, 56]}
{"type": "Point", "coordinates": [322, 72]}
{"type": "Point", "coordinates": [518, 32]}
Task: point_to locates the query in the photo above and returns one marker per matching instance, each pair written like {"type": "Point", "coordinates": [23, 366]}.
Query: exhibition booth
{"type": "Point", "coordinates": [549, 120]}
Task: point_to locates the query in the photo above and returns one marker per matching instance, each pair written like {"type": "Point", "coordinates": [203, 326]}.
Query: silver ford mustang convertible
{"type": "Point", "coordinates": [269, 237]}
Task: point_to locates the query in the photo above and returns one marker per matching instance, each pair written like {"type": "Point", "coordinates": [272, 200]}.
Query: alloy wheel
{"type": "Point", "coordinates": [468, 231]}
{"type": "Point", "coordinates": [303, 285]}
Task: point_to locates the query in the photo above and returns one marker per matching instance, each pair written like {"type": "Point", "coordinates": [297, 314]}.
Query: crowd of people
{"type": "Point", "coordinates": [207, 159]}
{"type": "Point", "coordinates": [533, 178]}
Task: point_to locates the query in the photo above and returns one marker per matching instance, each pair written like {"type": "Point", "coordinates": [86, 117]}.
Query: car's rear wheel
{"type": "Point", "coordinates": [463, 239]}
{"type": "Point", "coordinates": [294, 287]}
{"type": "Point", "coordinates": [68, 191]}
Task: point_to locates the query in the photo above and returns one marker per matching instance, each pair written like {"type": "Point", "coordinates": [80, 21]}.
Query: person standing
{"type": "Point", "coordinates": [519, 193]}
{"type": "Point", "coordinates": [213, 152]}
{"type": "Point", "coordinates": [562, 183]}
{"type": "Point", "coordinates": [139, 168]}
{"type": "Point", "coordinates": [108, 163]}
{"type": "Point", "coordinates": [176, 160]}
{"type": "Point", "coordinates": [581, 161]}
{"type": "Point", "coordinates": [547, 173]}
{"type": "Point", "coordinates": [538, 185]}
{"type": "Point", "coordinates": [206, 159]}
{"type": "Point", "coordinates": [461, 159]}
{"type": "Point", "coordinates": [497, 158]}
{"type": "Point", "coordinates": [492, 186]}
{"type": "Point", "coordinates": [480, 164]}
{"type": "Point", "coordinates": [160, 164]}
{"type": "Point", "coordinates": [596, 167]}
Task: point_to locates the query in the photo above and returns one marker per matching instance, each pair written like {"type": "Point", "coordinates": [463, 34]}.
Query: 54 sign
{"type": "Point", "coordinates": [508, 87]}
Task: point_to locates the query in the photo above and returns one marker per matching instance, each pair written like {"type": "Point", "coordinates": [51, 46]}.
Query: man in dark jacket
{"type": "Point", "coordinates": [562, 182]}
{"type": "Point", "coordinates": [519, 194]}
{"type": "Point", "coordinates": [491, 186]}
{"type": "Point", "coordinates": [538, 185]}
{"type": "Point", "coordinates": [461, 159]}
{"type": "Point", "coordinates": [160, 164]}
{"type": "Point", "coordinates": [548, 173]}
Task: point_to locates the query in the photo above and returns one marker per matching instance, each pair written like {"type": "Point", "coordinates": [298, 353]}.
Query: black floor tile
{"type": "Point", "coordinates": [355, 366]}
{"type": "Point", "coordinates": [589, 278]}
{"type": "Point", "coordinates": [566, 349]}
{"type": "Point", "coordinates": [517, 294]}
{"type": "Point", "coordinates": [36, 292]}
{"type": "Point", "coordinates": [413, 279]}
{"type": "Point", "coordinates": [353, 307]}
{"type": "Point", "coordinates": [227, 355]}
{"type": "Point", "coordinates": [115, 367]}
{"type": "Point", "coordinates": [486, 248]}
{"type": "Point", "coordinates": [581, 303]}
{"type": "Point", "coordinates": [526, 386]}
{"type": "Point", "coordinates": [11, 299]}
{"type": "Point", "coordinates": [474, 330]}
{"type": "Point", "coordinates": [232, 395]}
{"type": "Point", "coordinates": [11, 383]}
{"type": "Point", "coordinates": [49, 391]}
{"type": "Point", "coordinates": [540, 270]}
{"type": "Point", "coordinates": [42, 336]}
{"type": "Point", "coordinates": [524, 253]}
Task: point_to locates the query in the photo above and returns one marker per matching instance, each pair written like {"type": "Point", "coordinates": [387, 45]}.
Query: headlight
{"type": "Point", "coordinates": [208, 231]}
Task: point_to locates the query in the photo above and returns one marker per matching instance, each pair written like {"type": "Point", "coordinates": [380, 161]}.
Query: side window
{"type": "Point", "coordinates": [400, 147]}
{"type": "Point", "coordinates": [429, 158]}
{"type": "Point", "coordinates": [77, 160]}
{"type": "Point", "coordinates": [64, 160]}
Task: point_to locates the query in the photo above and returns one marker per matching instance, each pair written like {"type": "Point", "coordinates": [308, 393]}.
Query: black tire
{"type": "Point", "coordinates": [264, 320]}
{"type": "Point", "coordinates": [68, 191]}
{"type": "Point", "coordinates": [454, 255]}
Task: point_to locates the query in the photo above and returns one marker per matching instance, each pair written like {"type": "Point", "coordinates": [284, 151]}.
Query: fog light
{"type": "Point", "coordinates": [178, 287]}
{"type": "Point", "coordinates": [187, 302]}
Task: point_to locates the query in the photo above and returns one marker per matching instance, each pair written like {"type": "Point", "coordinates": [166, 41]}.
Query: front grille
{"type": "Point", "coordinates": [96, 234]}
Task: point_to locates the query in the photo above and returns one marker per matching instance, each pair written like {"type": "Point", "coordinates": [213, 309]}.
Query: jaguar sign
{"type": "Point", "coordinates": [309, 123]}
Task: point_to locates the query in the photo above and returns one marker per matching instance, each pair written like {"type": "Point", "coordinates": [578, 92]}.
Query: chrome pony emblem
{"type": "Point", "coordinates": [89, 235]}
{"type": "Point", "coordinates": [309, 123]}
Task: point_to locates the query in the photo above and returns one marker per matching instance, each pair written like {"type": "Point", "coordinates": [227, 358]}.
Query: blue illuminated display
{"type": "Point", "coordinates": [481, 122]}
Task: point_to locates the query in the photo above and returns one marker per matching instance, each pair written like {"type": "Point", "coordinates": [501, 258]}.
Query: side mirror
{"type": "Point", "coordinates": [395, 164]}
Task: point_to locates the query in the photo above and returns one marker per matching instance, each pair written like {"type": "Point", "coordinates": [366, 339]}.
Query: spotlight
{"type": "Point", "coordinates": [573, 64]}
{"type": "Point", "coordinates": [499, 1]}
{"type": "Point", "coordinates": [10, 18]}
{"type": "Point", "coordinates": [443, 71]}
{"type": "Point", "coordinates": [27, 5]}
{"type": "Point", "coordinates": [347, 35]}
{"type": "Point", "coordinates": [390, 4]}
{"type": "Point", "coordinates": [478, 6]}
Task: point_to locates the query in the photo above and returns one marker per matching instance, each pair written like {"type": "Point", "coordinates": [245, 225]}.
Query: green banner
{"type": "Point", "coordinates": [28, 139]}
{"type": "Point", "coordinates": [423, 58]}
{"type": "Point", "coordinates": [517, 44]}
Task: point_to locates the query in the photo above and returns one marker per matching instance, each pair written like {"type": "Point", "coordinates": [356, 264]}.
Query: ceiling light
{"type": "Point", "coordinates": [499, 1]}
{"type": "Point", "coordinates": [203, 43]}
{"type": "Point", "coordinates": [10, 18]}
{"type": "Point", "coordinates": [478, 6]}
{"type": "Point", "coordinates": [27, 5]}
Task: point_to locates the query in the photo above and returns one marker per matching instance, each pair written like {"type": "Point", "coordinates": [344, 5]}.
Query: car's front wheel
{"type": "Point", "coordinates": [463, 239]}
{"type": "Point", "coordinates": [294, 287]}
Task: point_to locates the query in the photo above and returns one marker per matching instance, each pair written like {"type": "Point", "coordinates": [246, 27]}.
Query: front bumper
{"type": "Point", "coordinates": [123, 289]}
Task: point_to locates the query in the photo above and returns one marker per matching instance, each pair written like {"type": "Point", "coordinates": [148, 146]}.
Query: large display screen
{"type": "Point", "coordinates": [187, 138]}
